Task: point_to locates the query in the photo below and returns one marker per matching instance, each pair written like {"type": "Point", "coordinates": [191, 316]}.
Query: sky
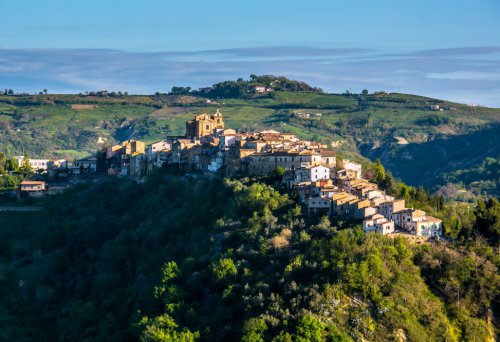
{"type": "Point", "coordinates": [444, 49]}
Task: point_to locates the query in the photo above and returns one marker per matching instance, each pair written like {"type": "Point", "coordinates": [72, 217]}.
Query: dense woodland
{"type": "Point", "coordinates": [207, 259]}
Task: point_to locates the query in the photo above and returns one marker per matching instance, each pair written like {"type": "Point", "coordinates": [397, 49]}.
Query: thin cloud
{"type": "Point", "coordinates": [455, 74]}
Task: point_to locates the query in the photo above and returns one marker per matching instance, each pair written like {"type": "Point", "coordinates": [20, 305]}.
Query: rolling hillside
{"type": "Point", "coordinates": [417, 144]}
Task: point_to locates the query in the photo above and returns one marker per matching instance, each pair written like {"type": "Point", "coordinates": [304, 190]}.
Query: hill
{"type": "Point", "coordinates": [401, 129]}
{"type": "Point", "coordinates": [203, 259]}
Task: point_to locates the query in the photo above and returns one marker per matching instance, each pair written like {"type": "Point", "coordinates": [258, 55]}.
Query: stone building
{"type": "Point", "coordinates": [204, 124]}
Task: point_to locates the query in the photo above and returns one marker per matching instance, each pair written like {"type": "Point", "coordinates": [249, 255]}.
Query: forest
{"type": "Point", "coordinates": [206, 259]}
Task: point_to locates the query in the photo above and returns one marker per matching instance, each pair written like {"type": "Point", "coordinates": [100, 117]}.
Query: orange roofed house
{"type": "Point", "coordinates": [34, 188]}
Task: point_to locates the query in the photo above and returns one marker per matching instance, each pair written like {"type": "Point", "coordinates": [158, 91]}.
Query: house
{"type": "Point", "coordinates": [216, 162]}
{"type": "Point", "coordinates": [36, 164]}
{"type": "Point", "coordinates": [86, 165]}
{"type": "Point", "coordinates": [156, 147]}
{"type": "Point", "coordinates": [130, 147]}
{"type": "Point", "coordinates": [311, 173]}
{"type": "Point", "coordinates": [328, 158]}
{"type": "Point", "coordinates": [266, 162]}
{"type": "Point", "coordinates": [357, 209]}
{"type": "Point", "coordinates": [406, 218]}
{"type": "Point", "coordinates": [387, 209]}
{"type": "Point", "coordinates": [34, 188]}
{"type": "Point", "coordinates": [366, 212]}
{"type": "Point", "coordinates": [378, 224]}
{"type": "Point", "coordinates": [319, 203]}
{"type": "Point", "coordinates": [341, 203]}
{"type": "Point", "coordinates": [228, 140]}
{"type": "Point", "coordinates": [260, 89]}
{"type": "Point", "coordinates": [304, 191]}
{"type": "Point", "coordinates": [431, 227]}
{"type": "Point", "coordinates": [353, 167]}
{"type": "Point", "coordinates": [56, 164]}
{"type": "Point", "coordinates": [328, 191]}
{"type": "Point", "coordinates": [303, 115]}
{"type": "Point", "coordinates": [417, 222]}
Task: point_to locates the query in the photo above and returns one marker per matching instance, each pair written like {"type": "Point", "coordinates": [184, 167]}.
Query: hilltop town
{"type": "Point", "coordinates": [323, 183]}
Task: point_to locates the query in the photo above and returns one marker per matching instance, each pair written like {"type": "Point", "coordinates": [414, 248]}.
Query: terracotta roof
{"type": "Point", "coordinates": [328, 153]}
{"type": "Point", "coordinates": [432, 219]}
{"type": "Point", "coordinates": [25, 182]}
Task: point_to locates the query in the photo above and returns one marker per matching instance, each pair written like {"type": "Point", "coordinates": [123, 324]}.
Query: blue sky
{"type": "Point", "coordinates": [446, 49]}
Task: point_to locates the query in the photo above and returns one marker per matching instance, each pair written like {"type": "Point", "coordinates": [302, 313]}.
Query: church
{"type": "Point", "coordinates": [204, 124]}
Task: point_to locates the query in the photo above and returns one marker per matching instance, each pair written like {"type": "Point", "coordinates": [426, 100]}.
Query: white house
{"type": "Point", "coordinates": [216, 163]}
{"type": "Point", "coordinates": [312, 173]}
{"type": "Point", "coordinates": [35, 164]}
{"type": "Point", "coordinates": [157, 147]}
{"type": "Point", "coordinates": [406, 218]}
{"type": "Point", "coordinates": [354, 167]}
{"type": "Point", "coordinates": [379, 224]}
{"type": "Point", "coordinates": [303, 115]}
{"type": "Point", "coordinates": [431, 227]}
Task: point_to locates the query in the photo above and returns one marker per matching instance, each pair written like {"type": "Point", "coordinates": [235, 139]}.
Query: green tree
{"type": "Point", "coordinates": [9, 182]}
{"type": "Point", "coordinates": [339, 160]}
{"type": "Point", "coordinates": [309, 329]}
{"type": "Point", "coordinates": [253, 330]}
{"type": "Point", "coordinates": [488, 219]}
{"type": "Point", "coordinates": [25, 167]}
{"type": "Point", "coordinates": [283, 336]}
{"type": "Point", "coordinates": [11, 165]}
{"type": "Point", "coordinates": [164, 329]}
{"type": "Point", "coordinates": [279, 171]}
{"type": "Point", "coordinates": [379, 172]}
{"type": "Point", "coordinates": [169, 272]}
{"type": "Point", "coordinates": [3, 161]}
{"type": "Point", "coordinates": [223, 270]}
